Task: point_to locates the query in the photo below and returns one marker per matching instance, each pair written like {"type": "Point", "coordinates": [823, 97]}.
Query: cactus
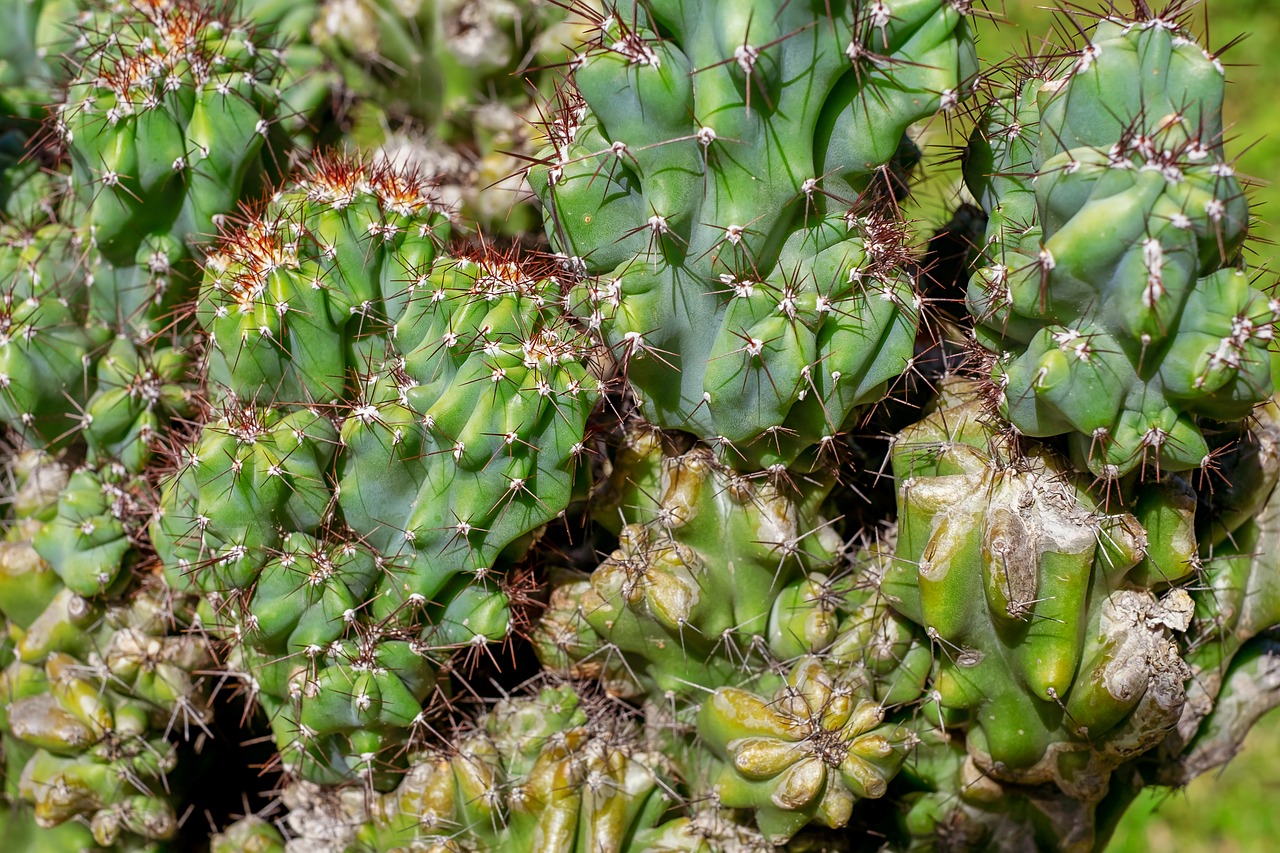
{"type": "Point", "coordinates": [806, 753]}
{"type": "Point", "coordinates": [1231, 649]}
{"type": "Point", "coordinates": [96, 683]}
{"type": "Point", "coordinates": [47, 332]}
{"type": "Point", "coordinates": [96, 268]}
{"type": "Point", "coordinates": [697, 589]}
{"type": "Point", "coordinates": [548, 771]}
{"type": "Point", "coordinates": [166, 124]}
{"type": "Point", "coordinates": [397, 423]}
{"type": "Point", "coordinates": [498, 550]}
{"type": "Point", "coordinates": [435, 84]}
{"type": "Point", "coordinates": [713, 178]}
{"type": "Point", "coordinates": [1112, 296]}
{"type": "Point", "coordinates": [718, 580]}
{"type": "Point", "coordinates": [1065, 664]}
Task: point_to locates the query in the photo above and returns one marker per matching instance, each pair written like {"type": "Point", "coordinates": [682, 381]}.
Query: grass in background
{"type": "Point", "coordinates": [1233, 810]}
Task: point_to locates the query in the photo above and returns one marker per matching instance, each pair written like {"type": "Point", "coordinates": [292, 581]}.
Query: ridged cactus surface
{"type": "Point", "coordinates": [725, 172]}
{"type": "Point", "coordinates": [95, 682]}
{"type": "Point", "coordinates": [393, 425]}
{"type": "Point", "coordinates": [1050, 641]}
{"type": "Point", "coordinates": [165, 121]}
{"type": "Point", "coordinates": [710, 570]}
{"type": "Point", "coordinates": [346, 509]}
{"type": "Point", "coordinates": [1110, 292]}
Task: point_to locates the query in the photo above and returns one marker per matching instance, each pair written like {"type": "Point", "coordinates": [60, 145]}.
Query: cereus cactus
{"type": "Point", "coordinates": [1230, 649]}
{"type": "Point", "coordinates": [46, 332]}
{"type": "Point", "coordinates": [139, 389]}
{"type": "Point", "coordinates": [450, 375]}
{"type": "Point", "coordinates": [950, 803]}
{"type": "Point", "coordinates": [166, 122]}
{"type": "Point", "coordinates": [807, 753]}
{"type": "Point", "coordinates": [712, 569]}
{"type": "Point", "coordinates": [546, 771]}
{"type": "Point", "coordinates": [1111, 290]}
{"type": "Point", "coordinates": [397, 424]}
{"type": "Point", "coordinates": [1054, 652]}
{"type": "Point", "coordinates": [23, 834]}
{"type": "Point", "coordinates": [63, 378]}
{"type": "Point", "coordinates": [476, 548]}
{"type": "Point", "coordinates": [709, 164]}
{"type": "Point", "coordinates": [295, 299]}
{"type": "Point", "coordinates": [719, 582]}
{"type": "Point", "coordinates": [96, 683]}
{"type": "Point", "coordinates": [94, 349]}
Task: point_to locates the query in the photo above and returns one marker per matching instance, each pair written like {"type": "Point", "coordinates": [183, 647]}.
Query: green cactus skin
{"type": "Point", "coordinates": [953, 806]}
{"type": "Point", "coordinates": [1051, 653]}
{"type": "Point", "coordinates": [395, 427]}
{"type": "Point", "coordinates": [30, 189]}
{"type": "Point", "coordinates": [279, 293]}
{"type": "Point", "coordinates": [371, 429]}
{"type": "Point", "coordinates": [1110, 293]}
{"type": "Point", "coordinates": [805, 754]}
{"type": "Point", "coordinates": [46, 333]}
{"type": "Point", "coordinates": [139, 389]}
{"type": "Point", "coordinates": [93, 343]}
{"type": "Point", "coordinates": [688, 598]}
{"type": "Point", "coordinates": [476, 425]}
{"type": "Point", "coordinates": [63, 378]}
{"type": "Point", "coordinates": [89, 541]}
{"type": "Point", "coordinates": [446, 367]}
{"type": "Point", "coordinates": [251, 474]}
{"type": "Point", "coordinates": [719, 580]}
{"type": "Point", "coordinates": [710, 179]}
{"type": "Point", "coordinates": [27, 583]}
{"type": "Point", "coordinates": [166, 122]}
{"type": "Point", "coordinates": [88, 704]}
{"type": "Point", "coordinates": [547, 771]}
{"type": "Point", "coordinates": [248, 474]}
{"type": "Point", "coordinates": [1229, 648]}
{"type": "Point", "coordinates": [887, 653]}
{"type": "Point", "coordinates": [23, 834]}
{"type": "Point", "coordinates": [95, 683]}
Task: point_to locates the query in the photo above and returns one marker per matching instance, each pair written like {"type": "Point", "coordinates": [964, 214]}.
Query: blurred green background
{"type": "Point", "coordinates": [1235, 809]}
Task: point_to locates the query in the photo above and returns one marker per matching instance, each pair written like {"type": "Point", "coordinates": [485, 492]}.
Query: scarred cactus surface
{"type": "Point", "coordinates": [344, 509]}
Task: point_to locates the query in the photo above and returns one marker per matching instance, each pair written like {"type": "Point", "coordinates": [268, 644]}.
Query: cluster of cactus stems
{"type": "Point", "coordinates": [527, 427]}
